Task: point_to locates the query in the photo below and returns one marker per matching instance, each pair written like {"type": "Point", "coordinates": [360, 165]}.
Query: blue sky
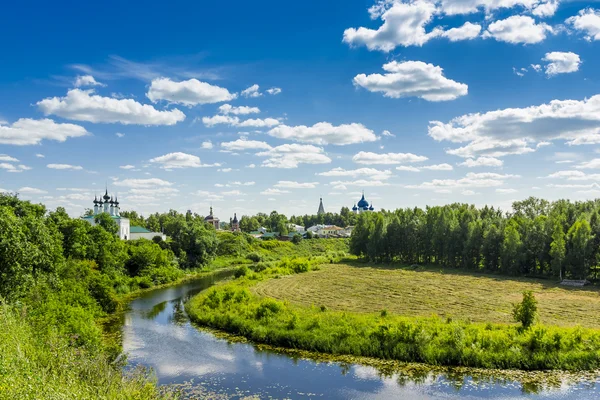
{"type": "Point", "coordinates": [259, 106]}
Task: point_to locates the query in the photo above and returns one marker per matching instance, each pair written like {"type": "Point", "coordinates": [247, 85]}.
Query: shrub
{"type": "Point", "coordinates": [254, 257]}
{"type": "Point", "coordinates": [241, 271]}
{"type": "Point", "coordinates": [525, 312]}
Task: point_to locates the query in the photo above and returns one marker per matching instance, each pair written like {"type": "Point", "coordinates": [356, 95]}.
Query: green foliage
{"type": "Point", "coordinates": [296, 239]}
{"type": "Point", "coordinates": [525, 312]}
{"type": "Point", "coordinates": [241, 271]}
{"type": "Point", "coordinates": [107, 223]}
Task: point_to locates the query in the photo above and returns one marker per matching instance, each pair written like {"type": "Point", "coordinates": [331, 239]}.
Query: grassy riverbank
{"type": "Point", "coordinates": [236, 308]}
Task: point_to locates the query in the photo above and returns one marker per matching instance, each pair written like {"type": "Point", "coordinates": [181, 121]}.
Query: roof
{"type": "Point", "coordinates": [112, 216]}
{"type": "Point", "coordinates": [270, 234]}
{"type": "Point", "coordinates": [138, 229]}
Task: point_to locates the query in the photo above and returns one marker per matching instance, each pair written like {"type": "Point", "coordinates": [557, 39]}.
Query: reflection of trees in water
{"type": "Point", "coordinates": [157, 309]}
{"type": "Point", "coordinates": [179, 316]}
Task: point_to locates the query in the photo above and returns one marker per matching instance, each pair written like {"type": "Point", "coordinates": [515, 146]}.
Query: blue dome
{"type": "Point", "coordinates": [363, 203]}
{"type": "Point", "coordinates": [354, 208]}
{"type": "Point", "coordinates": [371, 208]}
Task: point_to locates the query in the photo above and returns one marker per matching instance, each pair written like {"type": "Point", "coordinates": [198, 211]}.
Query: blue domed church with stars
{"type": "Point", "coordinates": [362, 206]}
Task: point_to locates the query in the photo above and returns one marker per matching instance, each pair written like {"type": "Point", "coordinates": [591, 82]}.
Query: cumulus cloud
{"type": "Point", "coordinates": [587, 22]}
{"type": "Point", "coordinates": [412, 79]}
{"type": "Point", "coordinates": [561, 63]}
{"type": "Point", "coordinates": [13, 168]}
{"type": "Point", "coordinates": [179, 160]}
{"type": "Point", "coordinates": [296, 185]}
{"type": "Point", "coordinates": [471, 180]}
{"type": "Point", "coordinates": [275, 192]}
{"type": "Point", "coordinates": [482, 162]}
{"type": "Point", "coordinates": [84, 105]}
{"type": "Point", "coordinates": [235, 121]}
{"type": "Point", "coordinates": [592, 164]}
{"type": "Point", "coordinates": [514, 130]}
{"type": "Point", "coordinates": [438, 167]}
{"type": "Point", "coordinates": [149, 183]}
{"type": "Point", "coordinates": [536, 7]}
{"type": "Point", "coordinates": [291, 155]}
{"type": "Point", "coordinates": [341, 185]}
{"type": "Point", "coordinates": [252, 91]}
{"type": "Point", "coordinates": [467, 31]}
{"type": "Point", "coordinates": [86, 80]}
{"type": "Point", "coordinates": [518, 29]}
{"type": "Point", "coordinates": [27, 131]}
{"type": "Point", "coordinates": [188, 93]}
{"type": "Point", "coordinates": [207, 145]}
{"type": "Point", "coordinates": [65, 166]}
{"type": "Point", "coordinates": [38, 155]}
{"type": "Point", "coordinates": [31, 190]}
{"type": "Point", "coordinates": [324, 133]}
{"type": "Point", "coordinates": [506, 191]}
{"type": "Point", "coordinates": [387, 133]}
{"type": "Point", "coordinates": [7, 158]}
{"type": "Point", "coordinates": [274, 91]}
{"type": "Point", "coordinates": [370, 173]}
{"type": "Point", "coordinates": [241, 110]}
{"type": "Point", "coordinates": [365, 157]}
{"type": "Point", "coordinates": [244, 144]}
{"type": "Point", "coordinates": [408, 168]}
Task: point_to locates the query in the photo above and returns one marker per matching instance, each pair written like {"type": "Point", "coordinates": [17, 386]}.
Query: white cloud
{"type": "Point", "coordinates": [518, 29]}
{"type": "Point", "coordinates": [513, 130]}
{"type": "Point", "coordinates": [536, 67]}
{"type": "Point", "coordinates": [291, 155]}
{"type": "Point", "coordinates": [189, 93]}
{"type": "Point", "coordinates": [276, 192]}
{"type": "Point", "coordinates": [296, 185]}
{"type": "Point", "coordinates": [412, 79]}
{"type": "Point", "coordinates": [65, 166]}
{"type": "Point", "coordinates": [387, 133]}
{"type": "Point", "coordinates": [40, 155]}
{"type": "Point", "coordinates": [244, 144]}
{"type": "Point", "coordinates": [127, 167]}
{"type": "Point", "coordinates": [438, 167]}
{"type": "Point", "coordinates": [84, 105]}
{"type": "Point", "coordinates": [274, 91]}
{"type": "Point", "coordinates": [4, 157]}
{"type": "Point", "coordinates": [120, 135]}
{"type": "Point", "coordinates": [364, 157]}
{"type": "Point", "coordinates": [225, 169]}
{"type": "Point", "coordinates": [370, 173]}
{"type": "Point", "coordinates": [151, 183]}
{"type": "Point", "coordinates": [482, 162]}
{"type": "Point", "coordinates": [561, 63]}
{"type": "Point", "coordinates": [204, 195]}
{"type": "Point", "coordinates": [536, 7]}
{"type": "Point", "coordinates": [251, 166]}
{"type": "Point", "coordinates": [592, 164]}
{"type": "Point", "coordinates": [466, 32]}
{"type": "Point", "coordinates": [403, 25]}
{"type": "Point", "coordinates": [86, 80]}
{"type": "Point", "coordinates": [408, 168]}
{"type": "Point", "coordinates": [241, 110]}
{"type": "Point", "coordinates": [588, 22]}
{"type": "Point", "coordinates": [179, 160]}
{"type": "Point", "coordinates": [324, 133]}
{"type": "Point", "coordinates": [341, 185]}
{"type": "Point", "coordinates": [235, 121]}
{"type": "Point", "coordinates": [27, 131]}
{"type": "Point", "coordinates": [506, 191]}
{"type": "Point", "coordinates": [471, 180]}
{"type": "Point", "coordinates": [31, 190]}
{"type": "Point", "coordinates": [252, 91]}
{"type": "Point", "coordinates": [469, 193]}
{"type": "Point", "coordinates": [207, 145]}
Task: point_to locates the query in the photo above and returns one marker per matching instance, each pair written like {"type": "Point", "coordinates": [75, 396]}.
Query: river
{"type": "Point", "coordinates": [157, 334]}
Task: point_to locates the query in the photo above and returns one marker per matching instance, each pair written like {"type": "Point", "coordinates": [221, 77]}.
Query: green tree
{"type": "Point", "coordinates": [511, 255]}
{"type": "Point", "coordinates": [525, 312]}
{"type": "Point", "coordinates": [558, 249]}
{"type": "Point", "coordinates": [578, 253]}
{"type": "Point", "coordinates": [107, 223]}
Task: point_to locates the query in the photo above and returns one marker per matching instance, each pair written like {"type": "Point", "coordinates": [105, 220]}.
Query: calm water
{"type": "Point", "coordinates": [157, 334]}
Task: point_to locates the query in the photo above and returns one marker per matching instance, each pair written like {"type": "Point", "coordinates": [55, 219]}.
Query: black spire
{"type": "Point", "coordinates": [235, 220]}
{"type": "Point", "coordinates": [106, 196]}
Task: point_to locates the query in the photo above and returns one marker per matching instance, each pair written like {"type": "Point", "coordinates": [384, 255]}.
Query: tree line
{"type": "Point", "coordinates": [541, 238]}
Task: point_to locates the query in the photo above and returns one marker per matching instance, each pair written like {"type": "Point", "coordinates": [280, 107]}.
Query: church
{"type": "Point", "coordinates": [362, 206]}
{"type": "Point", "coordinates": [111, 207]}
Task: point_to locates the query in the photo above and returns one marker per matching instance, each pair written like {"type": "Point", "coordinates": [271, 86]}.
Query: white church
{"type": "Point", "coordinates": [126, 232]}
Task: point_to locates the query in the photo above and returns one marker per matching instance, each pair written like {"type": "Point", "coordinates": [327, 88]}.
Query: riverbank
{"type": "Point", "coordinates": [232, 307]}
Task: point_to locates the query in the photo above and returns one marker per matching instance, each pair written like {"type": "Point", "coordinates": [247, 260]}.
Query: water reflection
{"type": "Point", "coordinates": [156, 333]}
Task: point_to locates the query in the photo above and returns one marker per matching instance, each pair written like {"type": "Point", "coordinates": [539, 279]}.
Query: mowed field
{"type": "Point", "coordinates": [424, 292]}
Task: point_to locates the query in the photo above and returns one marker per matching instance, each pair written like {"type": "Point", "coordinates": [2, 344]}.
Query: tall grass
{"type": "Point", "coordinates": [34, 366]}
{"type": "Point", "coordinates": [233, 308]}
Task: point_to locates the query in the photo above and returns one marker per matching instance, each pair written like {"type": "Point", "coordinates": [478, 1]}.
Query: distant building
{"type": "Point", "coordinates": [111, 207]}
{"type": "Point", "coordinates": [321, 208]}
{"type": "Point", "coordinates": [234, 224]}
{"type": "Point", "coordinates": [212, 220]}
{"type": "Point", "coordinates": [362, 206]}
{"type": "Point", "coordinates": [106, 204]}
{"type": "Point", "coordinates": [296, 228]}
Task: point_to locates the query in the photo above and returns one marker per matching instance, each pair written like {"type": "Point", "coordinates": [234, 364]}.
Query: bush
{"type": "Point", "coordinates": [525, 312]}
{"type": "Point", "coordinates": [241, 271]}
{"type": "Point", "coordinates": [254, 257]}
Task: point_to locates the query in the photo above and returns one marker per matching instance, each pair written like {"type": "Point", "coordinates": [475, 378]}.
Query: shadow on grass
{"type": "Point", "coordinates": [546, 283]}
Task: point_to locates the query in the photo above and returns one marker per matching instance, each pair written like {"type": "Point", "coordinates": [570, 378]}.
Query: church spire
{"type": "Point", "coordinates": [321, 208]}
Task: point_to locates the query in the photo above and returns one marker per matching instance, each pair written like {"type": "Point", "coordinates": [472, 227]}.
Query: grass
{"type": "Point", "coordinates": [424, 292]}
{"type": "Point", "coordinates": [235, 307]}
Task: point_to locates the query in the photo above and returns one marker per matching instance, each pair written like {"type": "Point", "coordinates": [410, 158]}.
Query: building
{"type": "Point", "coordinates": [212, 220]}
{"type": "Point", "coordinates": [138, 232]}
{"type": "Point", "coordinates": [362, 206]}
{"type": "Point", "coordinates": [321, 208]}
{"type": "Point", "coordinates": [234, 224]}
{"type": "Point", "coordinates": [296, 228]}
{"type": "Point", "coordinates": [106, 204]}
{"type": "Point", "coordinates": [111, 207]}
